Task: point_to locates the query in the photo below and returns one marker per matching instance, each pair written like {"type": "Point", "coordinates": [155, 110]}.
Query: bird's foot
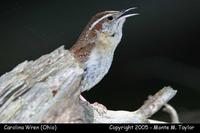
{"type": "Point", "coordinates": [100, 108]}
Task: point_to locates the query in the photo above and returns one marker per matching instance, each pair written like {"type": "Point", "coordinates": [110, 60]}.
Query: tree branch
{"type": "Point", "coordinates": [46, 90]}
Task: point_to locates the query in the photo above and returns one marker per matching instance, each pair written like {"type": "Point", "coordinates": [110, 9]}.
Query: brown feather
{"type": "Point", "coordinates": [83, 46]}
{"type": "Point", "coordinates": [82, 52]}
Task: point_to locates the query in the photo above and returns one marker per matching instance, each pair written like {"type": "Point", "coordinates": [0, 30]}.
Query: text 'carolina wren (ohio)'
{"type": "Point", "coordinates": [97, 43]}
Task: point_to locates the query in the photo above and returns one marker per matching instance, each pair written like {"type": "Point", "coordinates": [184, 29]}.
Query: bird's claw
{"type": "Point", "coordinates": [100, 108]}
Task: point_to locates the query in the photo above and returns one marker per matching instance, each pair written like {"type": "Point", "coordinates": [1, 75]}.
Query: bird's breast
{"type": "Point", "coordinates": [96, 68]}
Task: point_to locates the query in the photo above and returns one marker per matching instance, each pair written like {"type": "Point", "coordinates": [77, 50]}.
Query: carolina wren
{"type": "Point", "coordinates": [96, 45]}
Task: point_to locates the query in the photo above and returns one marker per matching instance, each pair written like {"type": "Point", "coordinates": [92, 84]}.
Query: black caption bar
{"type": "Point", "coordinates": [101, 127]}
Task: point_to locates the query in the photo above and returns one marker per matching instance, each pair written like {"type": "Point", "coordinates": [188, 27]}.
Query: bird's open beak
{"type": "Point", "coordinates": [126, 13]}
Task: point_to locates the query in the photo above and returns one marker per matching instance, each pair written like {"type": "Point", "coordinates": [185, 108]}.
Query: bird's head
{"type": "Point", "coordinates": [102, 33]}
{"type": "Point", "coordinates": [107, 24]}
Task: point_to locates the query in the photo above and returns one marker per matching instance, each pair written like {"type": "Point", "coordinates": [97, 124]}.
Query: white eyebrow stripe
{"type": "Point", "coordinates": [97, 21]}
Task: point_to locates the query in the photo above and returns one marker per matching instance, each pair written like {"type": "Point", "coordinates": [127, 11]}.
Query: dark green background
{"type": "Point", "coordinates": [159, 48]}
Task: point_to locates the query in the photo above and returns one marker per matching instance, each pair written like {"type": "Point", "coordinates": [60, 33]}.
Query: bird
{"type": "Point", "coordinates": [96, 45]}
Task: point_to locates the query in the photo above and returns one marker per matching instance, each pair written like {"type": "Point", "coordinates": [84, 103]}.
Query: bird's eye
{"type": "Point", "coordinates": [110, 18]}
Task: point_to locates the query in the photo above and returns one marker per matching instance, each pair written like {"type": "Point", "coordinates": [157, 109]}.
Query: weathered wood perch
{"type": "Point", "coordinates": [46, 90]}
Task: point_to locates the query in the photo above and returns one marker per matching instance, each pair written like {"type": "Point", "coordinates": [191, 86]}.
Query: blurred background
{"type": "Point", "coordinates": [160, 47]}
